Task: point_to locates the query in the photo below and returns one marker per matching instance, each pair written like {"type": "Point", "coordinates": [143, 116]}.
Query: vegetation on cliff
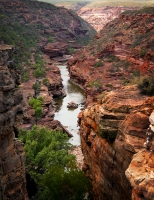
{"type": "Point", "coordinates": [121, 54]}
{"type": "Point", "coordinates": [30, 25]}
{"type": "Point", "coordinates": [52, 167]}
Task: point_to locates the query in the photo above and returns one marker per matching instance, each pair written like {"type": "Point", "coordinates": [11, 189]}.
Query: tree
{"type": "Point", "coordinates": [36, 105]}
{"type": "Point", "coordinates": [52, 167]}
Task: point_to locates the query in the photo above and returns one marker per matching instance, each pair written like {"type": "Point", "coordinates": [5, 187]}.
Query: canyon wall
{"type": "Point", "coordinates": [111, 133]}
{"type": "Point", "coordinates": [98, 17]}
{"type": "Point", "coordinates": [115, 123]}
{"type": "Point", "coordinates": [12, 156]}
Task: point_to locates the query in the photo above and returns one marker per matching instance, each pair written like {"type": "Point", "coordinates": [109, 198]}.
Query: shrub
{"type": "Point", "coordinates": [109, 134]}
{"type": "Point", "coordinates": [45, 81]}
{"type": "Point", "coordinates": [146, 85]}
{"type": "Point", "coordinates": [108, 85]}
{"type": "Point", "coordinates": [96, 84]}
{"type": "Point", "coordinates": [25, 76]}
{"type": "Point", "coordinates": [136, 73]}
{"type": "Point", "coordinates": [111, 58]}
{"type": "Point", "coordinates": [98, 63]}
{"type": "Point", "coordinates": [36, 105]}
{"type": "Point", "coordinates": [70, 50]}
{"type": "Point", "coordinates": [39, 72]}
{"type": "Point", "coordinates": [142, 53]}
{"type": "Point", "coordinates": [52, 167]}
{"type": "Point", "coordinates": [36, 86]}
{"type": "Point", "coordinates": [51, 39]}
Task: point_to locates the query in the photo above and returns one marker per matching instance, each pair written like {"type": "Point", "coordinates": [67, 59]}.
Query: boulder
{"type": "Point", "coordinates": [72, 105]}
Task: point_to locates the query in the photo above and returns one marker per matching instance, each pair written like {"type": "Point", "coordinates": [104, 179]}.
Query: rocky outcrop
{"type": "Point", "coordinates": [111, 133]}
{"type": "Point", "coordinates": [141, 175]}
{"type": "Point", "coordinates": [12, 156]}
{"type": "Point", "coordinates": [48, 90]}
{"type": "Point", "coordinates": [55, 49]}
{"type": "Point", "coordinates": [98, 17]}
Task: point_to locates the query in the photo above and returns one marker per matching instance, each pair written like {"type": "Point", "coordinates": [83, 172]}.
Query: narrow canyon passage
{"type": "Point", "coordinates": [68, 116]}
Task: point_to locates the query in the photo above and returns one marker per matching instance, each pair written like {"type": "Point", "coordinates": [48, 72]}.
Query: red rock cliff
{"type": "Point", "coordinates": [111, 133]}
{"type": "Point", "coordinates": [12, 156]}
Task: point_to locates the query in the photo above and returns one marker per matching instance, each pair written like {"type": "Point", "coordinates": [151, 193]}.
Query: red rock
{"type": "Point", "coordinates": [12, 156]}
{"type": "Point", "coordinates": [107, 162]}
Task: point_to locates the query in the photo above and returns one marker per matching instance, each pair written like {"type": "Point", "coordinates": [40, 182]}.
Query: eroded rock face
{"type": "Point", "coordinates": [12, 156]}
{"type": "Point", "coordinates": [111, 133]}
{"type": "Point", "coordinates": [141, 175]}
{"type": "Point", "coordinates": [98, 17]}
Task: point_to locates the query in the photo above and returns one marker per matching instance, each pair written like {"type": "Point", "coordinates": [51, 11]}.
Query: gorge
{"type": "Point", "coordinates": [116, 124]}
{"type": "Point", "coordinates": [68, 116]}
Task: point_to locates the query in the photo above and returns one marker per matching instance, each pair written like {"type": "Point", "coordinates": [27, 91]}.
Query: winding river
{"type": "Point", "coordinates": [68, 117]}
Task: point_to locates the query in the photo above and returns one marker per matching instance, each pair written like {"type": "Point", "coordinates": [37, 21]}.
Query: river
{"type": "Point", "coordinates": [68, 117]}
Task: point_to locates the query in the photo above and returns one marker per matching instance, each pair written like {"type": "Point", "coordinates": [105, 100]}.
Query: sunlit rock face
{"type": "Point", "coordinates": [141, 169]}
{"type": "Point", "coordinates": [12, 156]}
{"type": "Point", "coordinates": [112, 131]}
{"type": "Point", "coordinates": [98, 17]}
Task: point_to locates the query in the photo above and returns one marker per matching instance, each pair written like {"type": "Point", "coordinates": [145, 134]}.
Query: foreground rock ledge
{"type": "Point", "coordinates": [141, 175]}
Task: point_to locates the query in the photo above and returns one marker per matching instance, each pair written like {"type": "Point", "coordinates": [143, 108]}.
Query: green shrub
{"type": "Point", "coordinates": [108, 85]}
{"type": "Point", "coordinates": [136, 73]}
{"type": "Point", "coordinates": [98, 63]}
{"type": "Point", "coordinates": [70, 50]}
{"type": "Point", "coordinates": [111, 58]}
{"type": "Point", "coordinates": [39, 72]}
{"type": "Point", "coordinates": [146, 85]}
{"type": "Point", "coordinates": [25, 76]}
{"type": "Point", "coordinates": [109, 134]}
{"type": "Point", "coordinates": [36, 105]}
{"type": "Point", "coordinates": [52, 167]}
{"type": "Point", "coordinates": [96, 84]}
{"type": "Point", "coordinates": [51, 39]}
{"type": "Point", "coordinates": [36, 86]}
{"type": "Point", "coordinates": [142, 53]}
{"type": "Point", "coordinates": [45, 81]}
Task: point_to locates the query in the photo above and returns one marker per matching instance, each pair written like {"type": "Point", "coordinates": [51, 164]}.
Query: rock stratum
{"type": "Point", "coordinates": [124, 116]}
{"type": "Point", "coordinates": [114, 127]}
{"type": "Point", "coordinates": [98, 17]}
{"type": "Point", "coordinates": [12, 156]}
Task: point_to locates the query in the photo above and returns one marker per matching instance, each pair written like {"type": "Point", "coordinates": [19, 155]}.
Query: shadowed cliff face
{"type": "Point", "coordinates": [12, 157]}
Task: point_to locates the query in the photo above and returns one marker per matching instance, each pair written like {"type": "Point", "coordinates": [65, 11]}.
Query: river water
{"type": "Point", "coordinates": [67, 116]}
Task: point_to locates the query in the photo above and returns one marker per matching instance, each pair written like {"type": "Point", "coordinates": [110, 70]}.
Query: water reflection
{"type": "Point", "coordinates": [68, 117]}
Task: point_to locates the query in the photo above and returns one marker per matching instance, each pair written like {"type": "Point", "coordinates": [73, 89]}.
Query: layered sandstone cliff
{"type": "Point", "coordinates": [12, 156]}
{"type": "Point", "coordinates": [111, 133]}
{"type": "Point", "coordinates": [98, 17]}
